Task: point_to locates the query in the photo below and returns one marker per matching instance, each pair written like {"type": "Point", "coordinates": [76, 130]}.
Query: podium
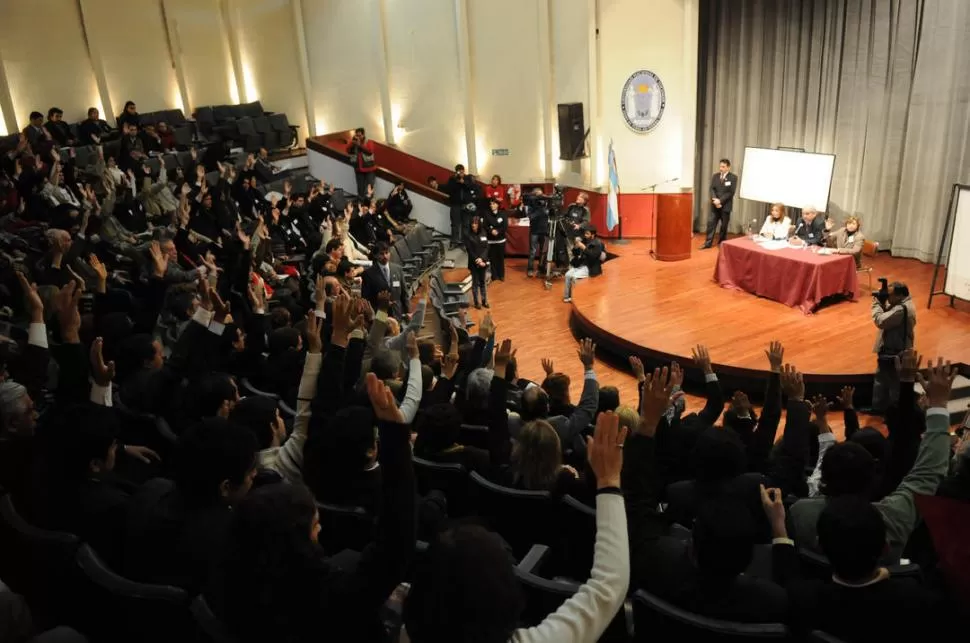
{"type": "Point", "coordinates": [674, 228]}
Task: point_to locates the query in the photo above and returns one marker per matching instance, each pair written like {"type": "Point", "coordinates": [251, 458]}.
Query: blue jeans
{"type": "Point", "coordinates": [572, 276]}
{"type": "Point", "coordinates": [537, 244]}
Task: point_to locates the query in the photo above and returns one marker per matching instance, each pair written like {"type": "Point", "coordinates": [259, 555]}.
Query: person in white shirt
{"type": "Point", "coordinates": [778, 224]}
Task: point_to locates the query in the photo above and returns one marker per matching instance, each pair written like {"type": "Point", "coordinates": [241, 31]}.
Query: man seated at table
{"type": "Point", "coordinates": [847, 240]}
{"type": "Point", "coordinates": [810, 229]}
{"type": "Point", "coordinates": [778, 224]}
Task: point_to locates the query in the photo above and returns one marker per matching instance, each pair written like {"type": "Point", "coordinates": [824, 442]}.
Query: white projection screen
{"type": "Point", "coordinates": [958, 263]}
{"type": "Point", "coordinates": [797, 179]}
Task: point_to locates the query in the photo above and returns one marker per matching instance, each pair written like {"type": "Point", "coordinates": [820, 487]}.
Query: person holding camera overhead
{"type": "Point", "coordinates": [463, 192]}
{"type": "Point", "coordinates": [361, 153]}
{"type": "Point", "coordinates": [778, 224]}
{"type": "Point", "coordinates": [894, 314]}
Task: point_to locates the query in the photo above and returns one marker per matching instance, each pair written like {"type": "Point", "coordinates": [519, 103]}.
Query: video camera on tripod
{"type": "Point", "coordinates": [553, 202]}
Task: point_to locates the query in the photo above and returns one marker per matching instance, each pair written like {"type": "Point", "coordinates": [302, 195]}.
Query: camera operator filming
{"type": "Point", "coordinates": [587, 259]}
{"type": "Point", "coordinates": [894, 314]}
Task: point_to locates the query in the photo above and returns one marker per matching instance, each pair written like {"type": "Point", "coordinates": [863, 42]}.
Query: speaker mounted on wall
{"type": "Point", "coordinates": [572, 132]}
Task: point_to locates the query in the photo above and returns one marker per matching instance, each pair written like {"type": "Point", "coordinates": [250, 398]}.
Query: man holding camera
{"type": "Point", "coordinates": [463, 192]}
{"type": "Point", "coordinates": [361, 153]}
{"type": "Point", "coordinates": [894, 314]}
{"type": "Point", "coordinates": [578, 216]}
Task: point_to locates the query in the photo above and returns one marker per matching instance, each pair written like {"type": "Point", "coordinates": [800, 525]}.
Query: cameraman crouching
{"type": "Point", "coordinates": [895, 317]}
{"type": "Point", "coordinates": [587, 261]}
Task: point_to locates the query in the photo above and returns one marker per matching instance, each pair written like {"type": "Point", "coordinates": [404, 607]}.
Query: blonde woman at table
{"type": "Point", "coordinates": [777, 225]}
{"type": "Point", "coordinates": [847, 240]}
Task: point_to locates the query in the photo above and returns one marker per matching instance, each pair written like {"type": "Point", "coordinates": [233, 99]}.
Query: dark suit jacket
{"type": "Point", "coordinates": [724, 190]}
{"type": "Point", "coordinates": [811, 233]}
{"type": "Point", "coordinates": [374, 282]}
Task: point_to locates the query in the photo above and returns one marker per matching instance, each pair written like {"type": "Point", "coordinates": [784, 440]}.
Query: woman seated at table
{"type": "Point", "coordinates": [777, 225]}
{"type": "Point", "coordinates": [847, 240]}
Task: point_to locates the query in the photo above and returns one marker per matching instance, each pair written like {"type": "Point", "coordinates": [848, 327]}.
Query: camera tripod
{"type": "Point", "coordinates": [558, 234]}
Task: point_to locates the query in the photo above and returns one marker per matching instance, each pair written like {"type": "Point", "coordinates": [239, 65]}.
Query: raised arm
{"type": "Point", "coordinates": [412, 396]}
{"type": "Point", "coordinates": [820, 407]}
{"type": "Point", "coordinates": [586, 615]}
{"type": "Point", "coordinates": [290, 461]}
{"type": "Point", "coordinates": [899, 508]}
{"type": "Point", "coordinates": [715, 397]}
{"type": "Point", "coordinates": [585, 411]}
{"type": "Point", "coordinates": [383, 564]}
{"type": "Point", "coordinates": [499, 445]}
{"type": "Point", "coordinates": [787, 469]}
{"type": "Point", "coordinates": [764, 436]}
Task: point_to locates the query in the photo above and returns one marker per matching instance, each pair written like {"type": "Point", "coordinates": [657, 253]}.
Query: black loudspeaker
{"type": "Point", "coordinates": [572, 132]}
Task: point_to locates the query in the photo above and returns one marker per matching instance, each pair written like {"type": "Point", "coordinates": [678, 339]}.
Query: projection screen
{"type": "Point", "coordinates": [797, 179]}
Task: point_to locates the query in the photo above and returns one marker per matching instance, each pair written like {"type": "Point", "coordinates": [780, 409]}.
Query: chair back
{"type": "Point", "coordinates": [344, 527]}
{"type": "Point", "coordinates": [522, 518]}
{"type": "Point", "coordinates": [208, 627]}
{"type": "Point", "coordinates": [573, 553]}
{"type": "Point", "coordinates": [473, 435]}
{"type": "Point", "coordinates": [816, 565]}
{"type": "Point", "coordinates": [113, 609]}
{"type": "Point", "coordinates": [450, 478]}
{"type": "Point", "coordinates": [818, 636]}
{"type": "Point", "coordinates": [657, 620]}
{"type": "Point", "coordinates": [36, 563]}
{"type": "Point", "coordinates": [870, 248]}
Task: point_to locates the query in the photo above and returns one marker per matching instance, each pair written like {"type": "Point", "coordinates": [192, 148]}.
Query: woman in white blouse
{"type": "Point", "coordinates": [777, 225]}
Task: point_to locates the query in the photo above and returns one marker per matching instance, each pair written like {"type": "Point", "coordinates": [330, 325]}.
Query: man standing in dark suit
{"type": "Point", "coordinates": [384, 275]}
{"type": "Point", "coordinates": [723, 186]}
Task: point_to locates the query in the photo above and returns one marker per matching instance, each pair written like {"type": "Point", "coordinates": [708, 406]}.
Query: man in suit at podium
{"type": "Point", "coordinates": [723, 185]}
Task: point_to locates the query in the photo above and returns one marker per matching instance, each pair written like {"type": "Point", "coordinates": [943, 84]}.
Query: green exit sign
{"type": "Point", "coordinates": [503, 151]}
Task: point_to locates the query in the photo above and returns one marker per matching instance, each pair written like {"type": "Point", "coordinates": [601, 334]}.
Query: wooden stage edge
{"type": "Point", "coordinates": [659, 310]}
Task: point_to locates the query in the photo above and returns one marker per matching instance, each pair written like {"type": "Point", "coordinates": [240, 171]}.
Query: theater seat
{"type": "Point", "coordinates": [450, 478]}
{"type": "Point", "coordinates": [36, 563]}
{"type": "Point", "coordinates": [522, 518]}
{"type": "Point", "coordinates": [250, 389]}
{"type": "Point", "coordinates": [815, 565]}
{"type": "Point", "coordinates": [343, 527]}
{"type": "Point", "coordinates": [112, 609]}
{"type": "Point", "coordinates": [657, 620]}
{"type": "Point", "coordinates": [819, 636]}
{"type": "Point", "coordinates": [208, 627]}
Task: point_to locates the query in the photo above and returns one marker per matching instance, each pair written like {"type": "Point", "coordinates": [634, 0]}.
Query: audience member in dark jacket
{"type": "Point", "coordinates": [60, 131]}
{"type": "Point", "coordinates": [476, 245]}
{"type": "Point", "coordinates": [496, 223]}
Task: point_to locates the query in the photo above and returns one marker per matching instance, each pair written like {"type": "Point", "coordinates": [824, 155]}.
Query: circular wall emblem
{"type": "Point", "coordinates": [643, 100]}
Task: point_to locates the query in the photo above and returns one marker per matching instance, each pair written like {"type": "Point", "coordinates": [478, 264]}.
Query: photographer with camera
{"type": "Point", "coordinates": [587, 259]}
{"type": "Point", "coordinates": [463, 192]}
{"type": "Point", "coordinates": [577, 216]}
{"type": "Point", "coordinates": [361, 153]}
{"type": "Point", "coordinates": [535, 207]}
{"type": "Point", "coordinates": [894, 314]}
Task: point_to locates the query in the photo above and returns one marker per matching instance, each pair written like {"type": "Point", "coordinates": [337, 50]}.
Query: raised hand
{"type": "Point", "coordinates": [32, 300]}
{"type": "Point", "coordinates": [384, 300]}
{"type": "Point", "coordinates": [159, 259]}
{"type": "Point", "coordinates": [66, 304]}
{"type": "Point", "coordinates": [741, 403]}
{"type": "Point", "coordinates": [220, 309]}
{"type": "Point", "coordinates": [845, 397]}
{"type": "Point", "coordinates": [938, 382]}
{"type": "Point", "coordinates": [676, 374]}
{"type": "Point", "coordinates": [503, 355]}
{"type": "Point", "coordinates": [774, 507]}
{"type": "Point", "coordinates": [657, 389]}
{"type": "Point", "coordinates": [449, 362]}
{"type": "Point", "coordinates": [587, 353]}
{"type": "Point", "coordinates": [792, 384]}
{"type": "Point", "coordinates": [775, 355]}
{"type": "Point", "coordinates": [637, 367]}
{"type": "Point", "coordinates": [101, 372]}
{"type": "Point", "coordinates": [313, 339]}
{"type": "Point", "coordinates": [907, 365]}
{"type": "Point", "coordinates": [548, 366]}
{"type": "Point", "coordinates": [382, 400]}
{"type": "Point", "coordinates": [702, 358]}
{"type": "Point", "coordinates": [486, 329]}
{"type": "Point", "coordinates": [144, 454]}
{"type": "Point", "coordinates": [605, 450]}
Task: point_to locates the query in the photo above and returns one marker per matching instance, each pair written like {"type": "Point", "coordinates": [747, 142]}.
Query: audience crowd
{"type": "Point", "coordinates": [197, 381]}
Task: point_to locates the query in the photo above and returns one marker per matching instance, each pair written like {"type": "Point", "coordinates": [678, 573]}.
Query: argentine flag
{"type": "Point", "coordinates": [612, 209]}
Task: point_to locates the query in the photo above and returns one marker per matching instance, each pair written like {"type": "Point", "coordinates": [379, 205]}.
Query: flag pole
{"type": "Point", "coordinates": [619, 241]}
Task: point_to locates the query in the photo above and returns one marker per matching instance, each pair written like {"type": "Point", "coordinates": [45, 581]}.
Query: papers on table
{"type": "Point", "coordinates": [772, 244]}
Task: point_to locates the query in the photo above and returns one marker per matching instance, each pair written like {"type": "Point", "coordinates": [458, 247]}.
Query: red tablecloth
{"type": "Point", "coordinates": [796, 277]}
{"type": "Point", "coordinates": [517, 240]}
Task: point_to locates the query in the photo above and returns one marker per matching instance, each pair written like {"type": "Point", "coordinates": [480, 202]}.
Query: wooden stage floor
{"type": "Point", "coordinates": [660, 310]}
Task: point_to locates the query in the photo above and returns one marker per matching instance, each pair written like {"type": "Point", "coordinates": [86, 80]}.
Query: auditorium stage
{"type": "Point", "coordinates": [660, 310]}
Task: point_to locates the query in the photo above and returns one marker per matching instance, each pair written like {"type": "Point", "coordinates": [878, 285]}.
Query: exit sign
{"type": "Point", "coordinates": [503, 151]}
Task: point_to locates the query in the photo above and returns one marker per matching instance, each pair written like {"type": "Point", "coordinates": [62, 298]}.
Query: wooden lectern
{"type": "Point", "coordinates": [674, 226]}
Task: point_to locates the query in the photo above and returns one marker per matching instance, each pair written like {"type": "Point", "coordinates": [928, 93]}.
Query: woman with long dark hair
{"type": "Point", "coordinates": [476, 245]}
